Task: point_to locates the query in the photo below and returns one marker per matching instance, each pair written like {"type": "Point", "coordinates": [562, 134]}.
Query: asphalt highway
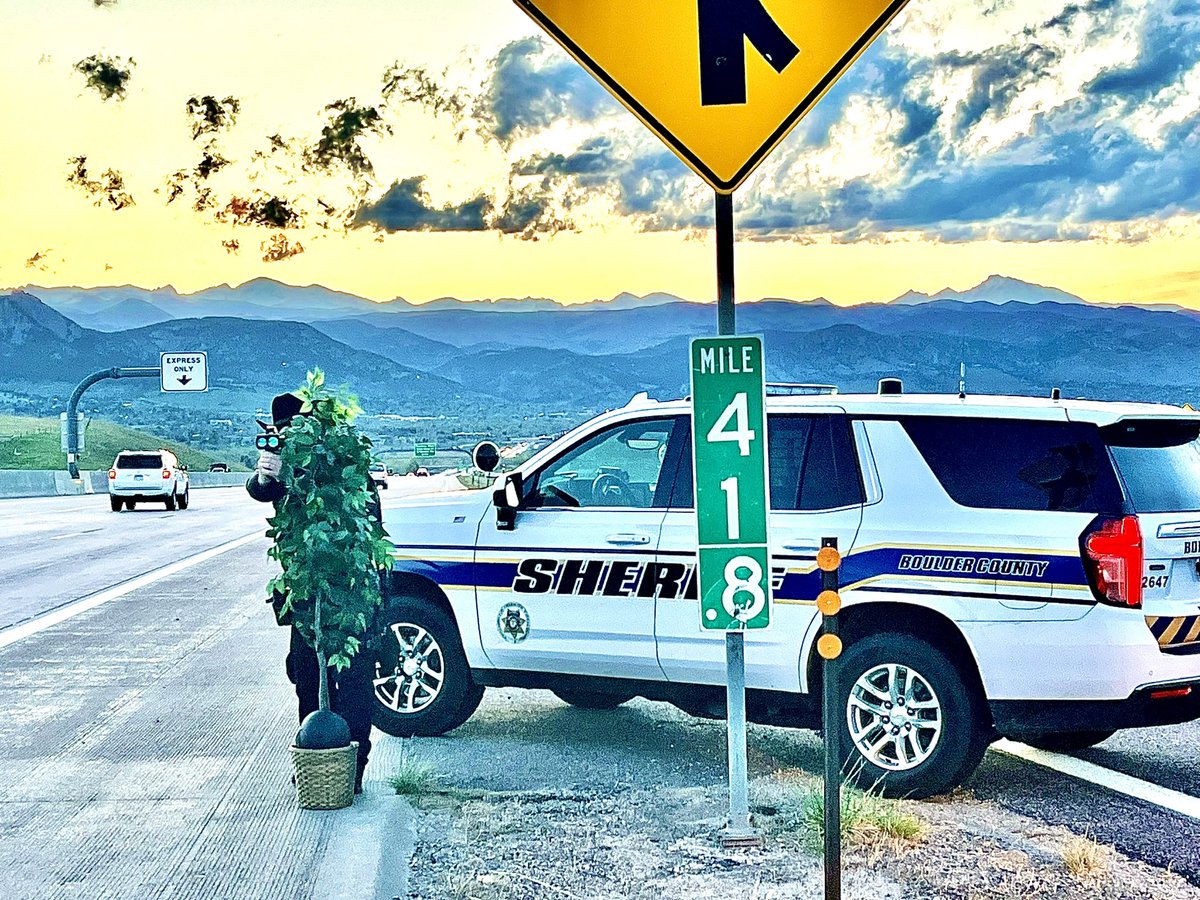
{"type": "Point", "coordinates": [54, 550]}
{"type": "Point", "coordinates": [58, 550]}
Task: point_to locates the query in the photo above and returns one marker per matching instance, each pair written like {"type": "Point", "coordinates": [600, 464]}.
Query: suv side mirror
{"type": "Point", "coordinates": [486, 456]}
{"type": "Point", "coordinates": [506, 499]}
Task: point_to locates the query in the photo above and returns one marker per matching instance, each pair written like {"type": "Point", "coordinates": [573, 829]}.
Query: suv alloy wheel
{"type": "Point", "coordinates": [913, 723]}
{"type": "Point", "coordinates": [423, 684]}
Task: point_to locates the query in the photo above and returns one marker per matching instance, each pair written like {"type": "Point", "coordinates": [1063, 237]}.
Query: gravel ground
{"type": "Point", "coordinates": [534, 799]}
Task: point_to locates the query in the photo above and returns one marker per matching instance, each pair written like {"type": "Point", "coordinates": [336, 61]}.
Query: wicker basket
{"type": "Point", "coordinates": [325, 778]}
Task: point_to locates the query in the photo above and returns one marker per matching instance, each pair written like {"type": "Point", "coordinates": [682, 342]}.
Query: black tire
{"type": "Point", "coordinates": [130, 504]}
{"type": "Point", "coordinates": [592, 699]}
{"type": "Point", "coordinates": [458, 695]}
{"type": "Point", "coordinates": [170, 503]}
{"type": "Point", "coordinates": [922, 764]}
{"type": "Point", "coordinates": [116, 503]}
{"type": "Point", "coordinates": [185, 499]}
{"type": "Point", "coordinates": [1066, 741]}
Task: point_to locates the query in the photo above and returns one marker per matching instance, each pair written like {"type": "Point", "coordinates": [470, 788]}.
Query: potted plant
{"type": "Point", "coordinates": [330, 550]}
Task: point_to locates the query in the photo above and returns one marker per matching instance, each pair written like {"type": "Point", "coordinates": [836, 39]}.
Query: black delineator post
{"type": "Point", "coordinates": [830, 647]}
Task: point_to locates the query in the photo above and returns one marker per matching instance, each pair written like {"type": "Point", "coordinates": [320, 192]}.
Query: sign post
{"type": "Point", "coordinates": [729, 441]}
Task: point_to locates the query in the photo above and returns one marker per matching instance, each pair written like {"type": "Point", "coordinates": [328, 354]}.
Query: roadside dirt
{"type": "Point", "coordinates": [553, 811]}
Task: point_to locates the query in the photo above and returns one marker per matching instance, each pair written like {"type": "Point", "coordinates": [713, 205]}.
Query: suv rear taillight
{"type": "Point", "coordinates": [1112, 556]}
{"type": "Point", "coordinates": [112, 474]}
{"type": "Point", "coordinates": [166, 473]}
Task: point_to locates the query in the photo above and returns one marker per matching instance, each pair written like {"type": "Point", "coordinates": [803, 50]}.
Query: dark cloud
{"type": "Point", "coordinates": [407, 207]}
{"type": "Point", "coordinates": [108, 76]}
{"type": "Point", "coordinates": [1168, 46]}
{"type": "Point", "coordinates": [531, 88]}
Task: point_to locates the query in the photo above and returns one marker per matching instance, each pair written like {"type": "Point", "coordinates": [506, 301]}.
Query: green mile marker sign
{"type": "Point", "coordinates": [729, 443]}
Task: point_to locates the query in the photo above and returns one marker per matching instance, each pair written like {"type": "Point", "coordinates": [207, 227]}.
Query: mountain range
{"type": "Point", "coordinates": [502, 366]}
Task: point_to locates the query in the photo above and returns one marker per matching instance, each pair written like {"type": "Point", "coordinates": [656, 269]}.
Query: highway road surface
{"type": "Point", "coordinates": [57, 550]}
{"type": "Point", "coordinates": [107, 661]}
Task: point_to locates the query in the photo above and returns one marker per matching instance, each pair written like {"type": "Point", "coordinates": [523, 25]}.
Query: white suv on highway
{"type": "Point", "coordinates": [147, 476]}
{"type": "Point", "coordinates": [1011, 566]}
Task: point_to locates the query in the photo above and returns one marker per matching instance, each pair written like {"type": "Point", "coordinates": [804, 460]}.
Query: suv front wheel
{"type": "Point", "coordinates": [913, 722]}
{"type": "Point", "coordinates": [423, 685]}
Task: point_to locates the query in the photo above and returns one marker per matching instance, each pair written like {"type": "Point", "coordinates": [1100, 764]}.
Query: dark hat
{"type": "Point", "coordinates": [284, 408]}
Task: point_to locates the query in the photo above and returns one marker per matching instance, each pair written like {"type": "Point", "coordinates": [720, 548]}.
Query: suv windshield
{"type": "Point", "coordinates": [139, 461]}
{"type": "Point", "coordinates": [1159, 462]}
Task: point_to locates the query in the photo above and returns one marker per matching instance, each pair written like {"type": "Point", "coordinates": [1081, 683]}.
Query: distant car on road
{"type": "Point", "coordinates": [379, 475]}
{"type": "Point", "coordinates": [147, 476]}
{"type": "Point", "coordinates": [219, 467]}
{"type": "Point", "coordinates": [423, 472]}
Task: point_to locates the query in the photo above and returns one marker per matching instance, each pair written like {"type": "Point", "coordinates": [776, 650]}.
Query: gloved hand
{"type": "Point", "coordinates": [268, 466]}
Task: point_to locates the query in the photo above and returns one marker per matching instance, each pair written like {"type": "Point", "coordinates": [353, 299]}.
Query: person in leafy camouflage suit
{"type": "Point", "coordinates": [351, 691]}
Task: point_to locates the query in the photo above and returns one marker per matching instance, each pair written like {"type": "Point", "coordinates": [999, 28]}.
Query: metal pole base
{"type": "Point", "coordinates": [736, 839]}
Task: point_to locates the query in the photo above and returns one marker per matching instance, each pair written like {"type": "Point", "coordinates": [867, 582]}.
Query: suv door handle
{"type": "Point", "coordinates": [636, 539]}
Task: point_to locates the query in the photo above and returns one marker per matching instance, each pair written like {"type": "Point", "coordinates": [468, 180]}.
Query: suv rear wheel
{"type": "Point", "coordinates": [116, 503]}
{"type": "Point", "coordinates": [423, 685]}
{"type": "Point", "coordinates": [170, 503]}
{"type": "Point", "coordinates": [592, 699]}
{"type": "Point", "coordinates": [184, 499]}
{"type": "Point", "coordinates": [913, 722]}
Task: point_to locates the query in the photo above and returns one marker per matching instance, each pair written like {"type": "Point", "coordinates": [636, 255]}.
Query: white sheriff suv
{"type": "Point", "coordinates": [1011, 566]}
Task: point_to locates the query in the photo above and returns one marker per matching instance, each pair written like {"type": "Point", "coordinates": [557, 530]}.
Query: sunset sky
{"type": "Point", "coordinates": [1053, 141]}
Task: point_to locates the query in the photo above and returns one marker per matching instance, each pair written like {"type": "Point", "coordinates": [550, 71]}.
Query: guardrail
{"type": "Point", "coordinates": [15, 483]}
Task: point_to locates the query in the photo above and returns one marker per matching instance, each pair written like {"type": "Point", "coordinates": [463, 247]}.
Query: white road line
{"type": "Point", "coordinates": [70, 610]}
{"type": "Point", "coordinates": [1176, 801]}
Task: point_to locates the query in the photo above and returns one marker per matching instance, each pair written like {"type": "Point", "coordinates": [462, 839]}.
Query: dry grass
{"type": "Point", "coordinates": [414, 776]}
{"type": "Point", "coordinates": [1086, 858]}
{"type": "Point", "coordinates": [877, 825]}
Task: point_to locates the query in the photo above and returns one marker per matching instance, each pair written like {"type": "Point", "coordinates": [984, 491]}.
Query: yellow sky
{"type": "Point", "coordinates": [286, 60]}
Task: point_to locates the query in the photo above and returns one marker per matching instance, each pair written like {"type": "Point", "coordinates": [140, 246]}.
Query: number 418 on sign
{"type": "Point", "coordinates": [730, 465]}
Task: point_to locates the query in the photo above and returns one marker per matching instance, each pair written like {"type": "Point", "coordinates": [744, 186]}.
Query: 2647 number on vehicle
{"type": "Point", "coordinates": [729, 443]}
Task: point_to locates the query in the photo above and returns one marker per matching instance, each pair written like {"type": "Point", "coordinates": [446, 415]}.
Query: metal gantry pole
{"type": "Point", "coordinates": [73, 405]}
{"type": "Point", "coordinates": [739, 832]}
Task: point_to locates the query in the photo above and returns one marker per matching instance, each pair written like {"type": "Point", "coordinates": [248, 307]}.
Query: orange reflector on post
{"type": "Point", "coordinates": [828, 559]}
{"type": "Point", "coordinates": [829, 603]}
{"type": "Point", "coordinates": [829, 646]}
{"type": "Point", "coordinates": [1170, 692]}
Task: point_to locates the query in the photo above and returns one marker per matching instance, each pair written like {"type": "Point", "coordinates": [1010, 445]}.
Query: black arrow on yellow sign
{"type": "Point", "coordinates": [725, 25]}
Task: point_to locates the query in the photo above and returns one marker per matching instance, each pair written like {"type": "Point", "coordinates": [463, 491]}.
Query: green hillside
{"type": "Point", "coordinates": [27, 443]}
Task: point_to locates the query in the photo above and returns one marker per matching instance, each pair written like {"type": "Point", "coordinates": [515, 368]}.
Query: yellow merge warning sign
{"type": "Point", "coordinates": [720, 81]}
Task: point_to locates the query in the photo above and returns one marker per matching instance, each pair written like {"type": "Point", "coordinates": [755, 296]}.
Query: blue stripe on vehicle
{"type": "Point", "coordinates": [857, 568]}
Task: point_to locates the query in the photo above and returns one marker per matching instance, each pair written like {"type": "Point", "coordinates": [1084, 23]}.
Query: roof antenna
{"type": "Point", "coordinates": [962, 381]}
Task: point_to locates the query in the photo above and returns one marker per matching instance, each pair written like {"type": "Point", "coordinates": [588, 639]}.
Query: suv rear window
{"type": "Point", "coordinates": [139, 461]}
{"type": "Point", "coordinates": [1018, 463]}
{"type": "Point", "coordinates": [1159, 462]}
